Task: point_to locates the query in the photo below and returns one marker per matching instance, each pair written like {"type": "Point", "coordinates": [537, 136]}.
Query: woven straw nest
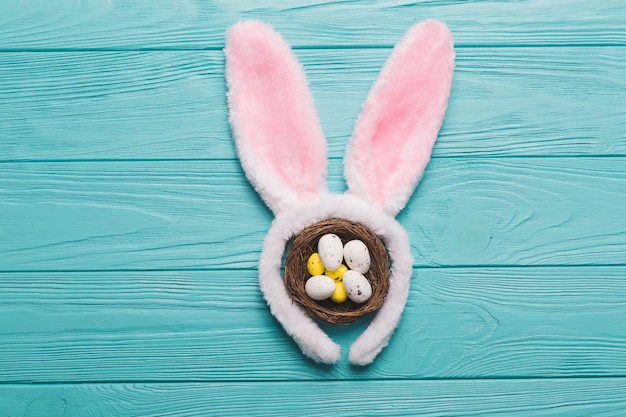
{"type": "Point", "coordinates": [296, 274]}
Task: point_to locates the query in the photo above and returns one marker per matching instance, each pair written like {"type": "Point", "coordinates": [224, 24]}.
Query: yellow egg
{"type": "Point", "coordinates": [337, 274]}
{"type": "Point", "coordinates": [339, 296]}
{"type": "Point", "coordinates": [314, 265]}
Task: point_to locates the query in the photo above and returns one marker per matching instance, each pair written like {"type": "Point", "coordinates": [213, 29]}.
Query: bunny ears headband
{"type": "Point", "coordinates": [282, 150]}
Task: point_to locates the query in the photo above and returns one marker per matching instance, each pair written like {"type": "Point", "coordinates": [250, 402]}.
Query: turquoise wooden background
{"type": "Point", "coordinates": [129, 235]}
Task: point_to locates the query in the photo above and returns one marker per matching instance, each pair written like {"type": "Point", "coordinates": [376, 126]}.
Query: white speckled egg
{"type": "Point", "coordinates": [357, 256]}
{"type": "Point", "coordinates": [320, 287]}
{"type": "Point", "coordinates": [357, 287]}
{"type": "Point", "coordinates": [330, 249]}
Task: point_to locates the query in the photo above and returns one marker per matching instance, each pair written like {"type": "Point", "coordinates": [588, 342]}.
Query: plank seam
{"type": "Point", "coordinates": [316, 47]}
{"type": "Point", "coordinates": [415, 267]}
{"type": "Point", "coordinates": [281, 381]}
{"type": "Point", "coordinates": [330, 159]}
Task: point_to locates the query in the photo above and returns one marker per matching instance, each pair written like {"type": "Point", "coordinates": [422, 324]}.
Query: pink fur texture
{"type": "Point", "coordinates": [401, 117]}
{"type": "Point", "coordinates": [273, 116]}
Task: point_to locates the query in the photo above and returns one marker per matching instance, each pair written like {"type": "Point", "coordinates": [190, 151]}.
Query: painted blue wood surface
{"type": "Point", "coordinates": [129, 236]}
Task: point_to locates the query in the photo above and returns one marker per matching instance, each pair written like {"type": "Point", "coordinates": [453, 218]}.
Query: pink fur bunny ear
{"type": "Point", "coordinates": [275, 125]}
{"type": "Point", "coordinates": [401, 118]}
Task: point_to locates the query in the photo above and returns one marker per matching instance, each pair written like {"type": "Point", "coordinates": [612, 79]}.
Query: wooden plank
{"type": "Point", "coordinates": [582, 397]}
{"type": "Point", "coordinates": [214, 326]}
{"type": "Point", "coordinates": [113, 106]}
{"type": "Point", "coordinates": [196, 24]}
{"type": "Point", "coordinates": [171, 105]}
{"type": "Point", "coordinates": [204, 214]}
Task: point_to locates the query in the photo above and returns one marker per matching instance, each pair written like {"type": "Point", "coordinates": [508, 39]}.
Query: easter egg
{"type": "Point", "coordinates": [337, 274]}
{"type": "Point", "coordinates": [357, 256]}
{"type": "Point", "coordinates": [319, 287]}
{"type": "Point", "coordinates": [339, 295]}
{"type": "Point", "coordinates": [330, 249]}
{"type": "Point", "coordinates": [357, 287]}
{"type": "Point", "coordinates": [314, 265]}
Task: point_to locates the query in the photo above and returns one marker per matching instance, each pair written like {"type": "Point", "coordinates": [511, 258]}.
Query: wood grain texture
{"type": "Point", "coordinates": [376, 398]}
{"type": "Point", "coordinates": [172, 105]}
{"type": "Point", "coordinates": [204, 214]}
{"type": "Point", "coordinates": [196, 24]}
{"type": "Point", "coordinates": [214, 326]}
{"type": "Point", "coordinates": [129, 237]}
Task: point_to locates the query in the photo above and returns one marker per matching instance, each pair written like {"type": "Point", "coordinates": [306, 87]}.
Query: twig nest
{"type": "Point", "coordinates": [367, 270]}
